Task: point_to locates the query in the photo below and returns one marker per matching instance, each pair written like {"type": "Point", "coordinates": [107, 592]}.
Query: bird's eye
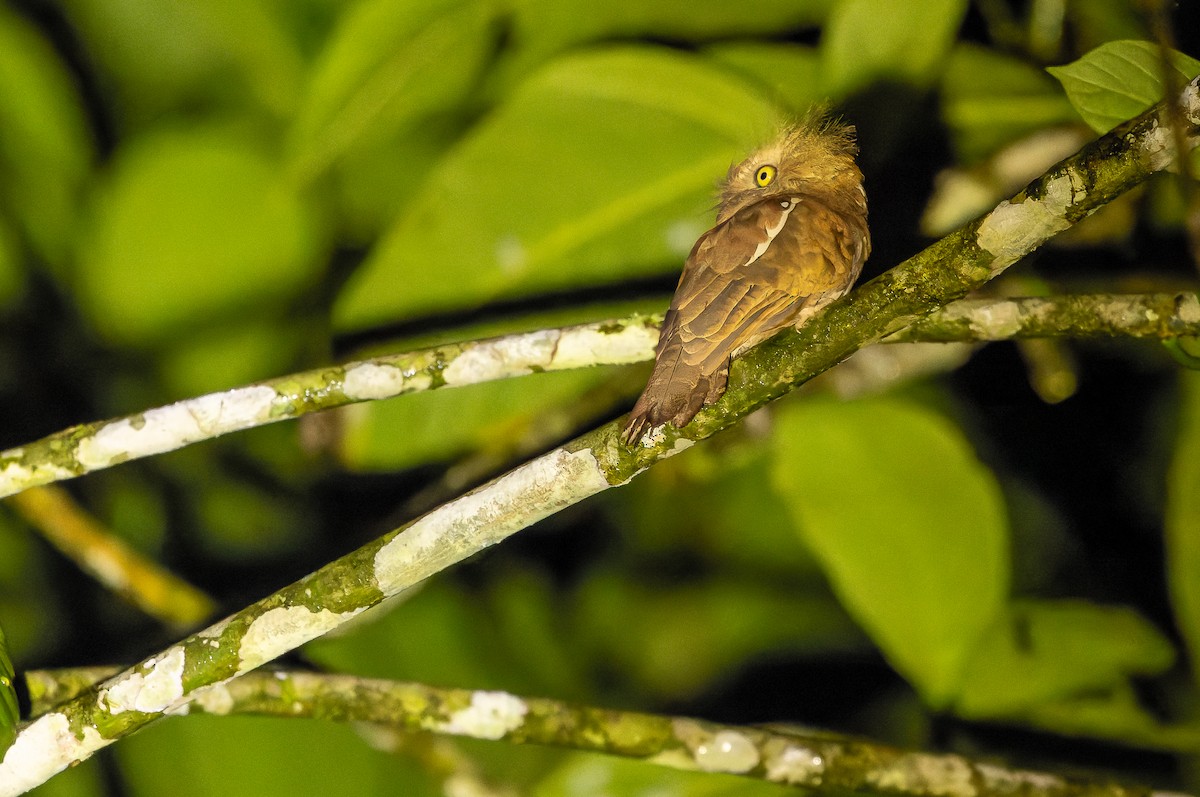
{"type": "Point", "coordinates": [764, 176]}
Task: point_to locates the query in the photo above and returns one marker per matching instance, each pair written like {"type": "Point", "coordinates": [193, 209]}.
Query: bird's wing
{"type": "Point", "coordinates": [748, 278]}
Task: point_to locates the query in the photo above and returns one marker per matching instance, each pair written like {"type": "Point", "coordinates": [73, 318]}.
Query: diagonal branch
{"type": "Point", "coordinates": [326, 599]}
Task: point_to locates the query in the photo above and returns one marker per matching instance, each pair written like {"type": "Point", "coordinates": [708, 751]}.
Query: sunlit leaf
{"type": "Point", "coordinates": [192, 225]}
{"type": "Point", "coordinates": [990, 99]}
{"type": "Point", "coordinates": [869, 40]}
{"type": "Point", "coordinates": [909, 525]}
{"type": "Point", "coordinates": [161, 56]}
{"type": "Point", "coordinates": [1044, 652]}
{"type": "Point", "coordinates": [45, 146]}
{"type": "Point", "coordinates": [198, 756]}
{"type": "Point", "coordinates": [600, 167]}
{"type": "Point", "coordinates": [1118, 80]}
{"type": "Point", "coordinates": [387, 65]}
{"type": "Point", "coordinates": [545, 27]}
{"type": "Point", "coordinates": [790, 72]}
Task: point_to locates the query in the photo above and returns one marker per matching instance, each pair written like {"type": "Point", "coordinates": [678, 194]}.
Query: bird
{"type": "Point", "coordinates": [790, 237]}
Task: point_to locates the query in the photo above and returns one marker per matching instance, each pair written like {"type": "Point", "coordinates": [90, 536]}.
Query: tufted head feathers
{"type": "Point", "coordinates": [812, 157]}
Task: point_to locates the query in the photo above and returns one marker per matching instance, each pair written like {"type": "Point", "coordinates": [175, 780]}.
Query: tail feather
{"type": "Point", "coordinates": [675, 393]}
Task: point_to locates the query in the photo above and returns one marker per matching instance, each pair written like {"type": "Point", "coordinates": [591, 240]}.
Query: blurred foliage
{"type": "Point", "coordinates": [196, 196]}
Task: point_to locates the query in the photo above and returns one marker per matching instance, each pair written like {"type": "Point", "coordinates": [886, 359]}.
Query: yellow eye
{"type": "Point", "coordinates": [764, 176]}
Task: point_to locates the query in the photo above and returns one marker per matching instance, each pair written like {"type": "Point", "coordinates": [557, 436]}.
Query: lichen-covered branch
{"type": "Point", "coordinates": [94, 446]}
{"type": "Point", "coordinates": [1150, 315]}
{"type": "Point", "coordinates": [813, 760]}
{"type": "Point", "coordinates": [83, 540]}
{"type": "Point", "coordinates": [328, 598]}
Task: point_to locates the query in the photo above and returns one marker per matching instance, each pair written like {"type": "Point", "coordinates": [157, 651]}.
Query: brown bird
{"type": "Point", "coordinates": [791, 236]}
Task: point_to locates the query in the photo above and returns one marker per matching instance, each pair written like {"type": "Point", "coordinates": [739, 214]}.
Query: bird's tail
{"type": "Point", "coordinates": [676, 392]}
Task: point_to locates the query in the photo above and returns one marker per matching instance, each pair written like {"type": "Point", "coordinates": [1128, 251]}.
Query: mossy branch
{"type": "Point", "coordinates": [795, 757]}
{"type": "Point", "coordinates": [947, 270]}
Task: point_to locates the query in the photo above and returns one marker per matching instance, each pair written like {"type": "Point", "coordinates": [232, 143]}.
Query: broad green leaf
{"type": "Point", "coordinates": [193, 227]}
{"type": "Point", "coordinates": [45, 146]}
{"type": "Point", "coordinates": [1045, 652]}
{"type": "Point", "coordinates": [674, 641]}
{"type": "Point", "coordinates": [441, 424]}
{"type": "Point", "coordinates": [199, 756]}
{"type": "Point", "coordinates": [388, 64]}
{"type": "Point", "coordinates": [1118, 80]}
{"type": "Point", "coordinates": [160, 56]}
{"type": "Point", "coordinates": [870, 40]}
{"type": "Point", "coordinates": [1183, 520]}
{"type": "Point", "coordinates": [542, 28]}
{"type": "Point", "coordinates": [789, 72]}
{"type": "Point", "coordinates": [909, 525]}
{"type": "Point", "coordinates": [10, 712]}
{"type": "Point", "coordinates": [990, 99]}
{"type": "Point", "coordinates": [598, 168]}
{"type": "Point", "coordinates": [1115, 714]}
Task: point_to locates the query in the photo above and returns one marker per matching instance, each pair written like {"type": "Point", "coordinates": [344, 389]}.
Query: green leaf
{"type": "Point", "coordinates": [198, 756]}
{"type": "Point", "coordinates": [598, 168]}
{"type": "Point", "coordinates": [870, 40]}
{"type": "Point", "coordinates": [676, 641]}
{"type": "Point", "coordinates": [437, 425]}
{"type": "Point", "coordinates": [1118, 80]}
{"type": "Point", "coordinates": [790, 73]}
{"type": "Point", "coordinates": [908, 524]}
{"type": "Point", "coordinates": [1183, 520]}
{"type": "Point", "coordinates": [45, 146]}
{"type": "Point", "coordinates": [193, 227]}
{"type": "Point", "coordinates": [542, 28]}
{"type": "Point", "coordinates": [159, 56]}
{"type": "Point", "coordinates": [10, 712]}
{"type": "Point", "coordinates": [990, 99]}
{"type": "Point", "coordinates": [387, 65]}
{"type": "Point", "coordinates": [1044, 652]}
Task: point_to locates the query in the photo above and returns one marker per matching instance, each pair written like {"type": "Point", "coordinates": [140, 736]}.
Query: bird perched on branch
{"type": "Point", "coordinates": [791, 236]}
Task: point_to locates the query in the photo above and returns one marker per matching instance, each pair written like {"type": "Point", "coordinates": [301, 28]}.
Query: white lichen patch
{"type": "Point", "coordinates": [214, 699]}
{"type": "Point", "coordinates": [367, 381]}
{"type": "Point", "coordinates": [1158, 146]}
{"type": "Point", "coordinates": [277, 631]}
{"type": "Point", "coordinates": [1188, 309]}
{"type": "Point", "coordinates": [726, 751]}
{"type": "Point", "coordinates": [15, 477]}
{"type": "Point", "coordinates": [487, 515]}
{"type": "Point", "coordinates": [1013, 230]}
{"type": "Point", "coordinates": [996, 320]}
{"type": "Point", "coordinates": [171, 427]}
{"type": "Point", "coordinates": [795, 764]}
{"type": "Point", "coordinates": [154, 689]}
{"type": "Point", "coordinates": [491, 715]}
{"type": "Point", "coordinates": [514, 355]}
{"type": "Point", "coordinates": [45, 746]}
{"type": "Point", "coordinates": [592, 345]}
{"type": "Point", "coordinates": [946, 776]}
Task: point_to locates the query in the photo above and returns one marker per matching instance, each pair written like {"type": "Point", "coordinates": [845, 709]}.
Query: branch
{"type": "Point", "coordinates": [326, 599]}
{"type": "Point", "coordinates": [95, 446]}
{"type": "Point", "coordinates": [84, 540]}
{"type": "Point", "coordinates": [814, 760]}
